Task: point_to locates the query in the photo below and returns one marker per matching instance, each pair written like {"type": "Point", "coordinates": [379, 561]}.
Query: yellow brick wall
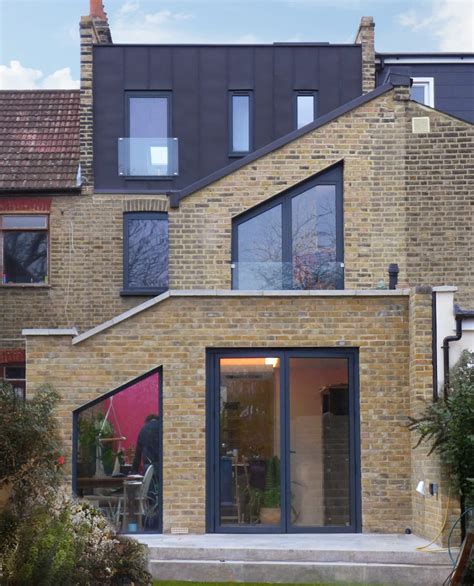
{"type": "Point", "coordinates": [429, 512]}
{"type": "Point", "coordinates": [176, 333]}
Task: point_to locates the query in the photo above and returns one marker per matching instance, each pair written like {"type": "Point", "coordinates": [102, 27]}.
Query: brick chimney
{"type": "Point", "coordinates": [366, 37]}
{"type": "Point", "coordinates": [94, 30]}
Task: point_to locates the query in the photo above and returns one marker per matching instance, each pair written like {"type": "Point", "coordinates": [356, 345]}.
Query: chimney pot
{"type": "Point", "coordinates": [97, 10]}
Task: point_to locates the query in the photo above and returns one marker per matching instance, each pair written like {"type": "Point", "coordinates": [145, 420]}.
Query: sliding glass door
{"type": "Point", "coordinates": [283, 441]}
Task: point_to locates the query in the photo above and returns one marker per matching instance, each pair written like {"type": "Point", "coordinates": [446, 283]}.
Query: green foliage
{"type": "Point", "coordinates": [29, 444]}
{"type": "Point", "coordinates": [46, 537]}
{"type": "Point", "coordinates": [45, 552]}
{"type": "Point", "coordinates": [448, 425]}
{"type": "Point", "coordinates": [271, 495]}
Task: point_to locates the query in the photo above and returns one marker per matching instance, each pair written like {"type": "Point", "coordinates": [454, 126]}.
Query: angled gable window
{"type": "Point", "coordinates": [24, 249]}
{"type": "Point", "coordinates": [422, 90]}
{"type": "Point", "coordinates": [294, 241]}
{"type": "Point", "coordinates": [306, 105]}
{"type": "Point", "coordinates": [145, 253]}
{"type": "Point", "coordinates": [240, 122]}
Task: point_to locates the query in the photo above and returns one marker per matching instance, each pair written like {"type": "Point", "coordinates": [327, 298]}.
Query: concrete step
{"type": "Point", "coordinates": [299, 572]}
{"type": "Point", "coordinates": [268, 554]}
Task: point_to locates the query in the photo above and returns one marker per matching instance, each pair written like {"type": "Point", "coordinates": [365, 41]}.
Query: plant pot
{"type": "Point", "coordinates": [270, 516]}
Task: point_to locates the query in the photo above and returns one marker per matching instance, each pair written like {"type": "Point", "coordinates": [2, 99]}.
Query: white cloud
{"type": "Point", "coordinates": [60, 80]}
{"type": "Point", "coordinates": [451, 22]}
{"type": "Point", "coordinates": [16, 77]}
{"type": "Point", "coordinates": [132, 24]}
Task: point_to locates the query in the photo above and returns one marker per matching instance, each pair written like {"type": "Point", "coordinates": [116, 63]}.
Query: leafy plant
{"type": "Point", "coordinates": [30, 446]}
{"type": "Point", "coordinates": [271, 494]}
{"type": "Point", "coordinates": [448, 425]}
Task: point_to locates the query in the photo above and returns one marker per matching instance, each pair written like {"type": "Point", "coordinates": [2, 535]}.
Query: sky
{"type": "Point", "coordinates": [39, 39]}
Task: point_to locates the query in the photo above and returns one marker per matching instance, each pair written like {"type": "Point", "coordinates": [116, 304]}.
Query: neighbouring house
{"type": "Point", "coordinates": [248, 294]}
{"type": "Point", "coordinates": [39, 163]}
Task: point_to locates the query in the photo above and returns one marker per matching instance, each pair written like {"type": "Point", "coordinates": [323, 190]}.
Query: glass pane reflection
{"type": "Point", "coordinates": [249, 441]}
{"type": "Point", "coordinates": [117, 466]}
{"type": "Point", "coordinates": [148, 253]}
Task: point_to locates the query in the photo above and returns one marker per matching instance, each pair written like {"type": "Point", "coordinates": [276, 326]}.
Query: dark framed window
{"type": "Point", "coordinates": [240, 122]}
{"type": "Point", "coordinates": [148, 114]}
{"type": "Point", "coordinates": [148, 148]}
{"type": "Point", "coordinates": [145, 253]}
{"type": "Point", "coordinates": [306, 107]}
{"type": "Point", "coordinates": [272, 415]}
{"type": "Point", "coordinates": [117, 454]}
{"type": "Point", "coordinates": [24, 249]}
{"type": "Point", "coordinates": [293, 241]}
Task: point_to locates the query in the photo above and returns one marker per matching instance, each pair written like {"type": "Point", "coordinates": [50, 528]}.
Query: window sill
{"type": "Point", "coordinates": [239, 155]}
{"type": "Point", "coordinates": [25, 286]}
{"type": "Point", "coordinates": [148, 177]}
{"type": "Point", "coordinates": [141, 292]}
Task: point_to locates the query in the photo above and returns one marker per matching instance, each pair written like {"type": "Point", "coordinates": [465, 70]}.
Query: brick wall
{"type": "Point", "coordinates": [176, 333]}
{"type": "Point", "coordinates": [404, 200]}
{"type": "Point", "coordinates": [429, 512]}
{"type": "Point", "coordinates": [440, 203]}
{"type": "Point", "coordinates": [86, 267]}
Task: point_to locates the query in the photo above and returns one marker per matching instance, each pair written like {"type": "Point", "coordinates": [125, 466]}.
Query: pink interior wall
{"type": "Point", "coordinates": [131, 406]}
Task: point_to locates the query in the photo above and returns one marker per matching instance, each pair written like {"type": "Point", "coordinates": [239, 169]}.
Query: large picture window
{"type": "Point", "coordinates": [24, 249]}
{"type": "Point", "coordinates": [145, 253]}
{"type": "Point", "coordinates": [294, 241]}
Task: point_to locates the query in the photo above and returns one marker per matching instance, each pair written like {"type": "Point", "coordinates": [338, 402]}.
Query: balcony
{"type": "Point", "coordinates": [286, 275]}
{"type": "Point", "coordinates": [148, 157]}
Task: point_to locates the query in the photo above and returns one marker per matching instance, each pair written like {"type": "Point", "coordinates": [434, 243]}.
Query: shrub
{"type": "Point", "coordinates": [46, 537]}
{"type": "Point", "coordinates": [30, 447]}
{"type": "Point", "coordinates": [448, 425]}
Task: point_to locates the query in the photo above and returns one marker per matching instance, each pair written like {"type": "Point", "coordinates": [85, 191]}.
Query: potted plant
{"type": "Point", "coordinates": [270, 512]}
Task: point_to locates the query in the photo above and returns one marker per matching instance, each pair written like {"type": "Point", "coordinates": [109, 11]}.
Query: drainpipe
{"type": "Point", "coordinates": [459, 316]}
{"type": "Point", "coordinates": [392, 275]}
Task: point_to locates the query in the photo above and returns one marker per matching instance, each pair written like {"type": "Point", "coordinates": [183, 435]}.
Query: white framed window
{"type": "Point", "coordinates": [422, 90]}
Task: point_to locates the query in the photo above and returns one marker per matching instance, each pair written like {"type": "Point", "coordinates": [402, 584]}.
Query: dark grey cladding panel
{"type": "Point", "coordinates": [200, 77]}
{"type": "Point", "coordinates": [453, 84]}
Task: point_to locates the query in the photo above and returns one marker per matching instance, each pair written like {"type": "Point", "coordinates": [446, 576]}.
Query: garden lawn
{"type": "Point", "coordinates": [167, 583]}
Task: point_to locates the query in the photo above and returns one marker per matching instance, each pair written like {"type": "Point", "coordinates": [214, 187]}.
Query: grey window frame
{"type": "Point", "coordinates": [315, 95]}
{"type": "Point", "coordinates": [249, 94]}
{"type": "Point", "coordinates": [332, 176]}
{"type": "Point", "coordinates": [139, 291]}
{"type": "Point", "coordinates": [148, 94]}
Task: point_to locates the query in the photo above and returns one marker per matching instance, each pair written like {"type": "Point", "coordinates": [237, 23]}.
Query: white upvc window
{"type": "Point", "coordinates": [422, 90]}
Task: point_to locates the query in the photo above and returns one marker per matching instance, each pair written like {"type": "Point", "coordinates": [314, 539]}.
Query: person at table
{"type": "Point", "coordinates": [147, 444]}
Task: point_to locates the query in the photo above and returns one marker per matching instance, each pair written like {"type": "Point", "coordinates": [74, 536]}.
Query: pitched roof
{"type": "Point", "coordinates": [39, 140]}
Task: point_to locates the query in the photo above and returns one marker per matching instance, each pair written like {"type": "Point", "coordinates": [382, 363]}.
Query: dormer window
{"type": "Point", "coordinates": [148, 149]}
{"type": "Point", "coordinates": [306, 106]}
{"type": "Point", "coordinates": [422, 90]}
{"type": "Point", "coordinates": [240, 123]}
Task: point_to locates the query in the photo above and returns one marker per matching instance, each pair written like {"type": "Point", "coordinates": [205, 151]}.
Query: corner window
{"type": "Point", "coordinates": [145, 253]}
{"type": "Point", "coordinates": [240, 122]}
{"type": "Point", "coordinates": [306, 107]}
{"type": "Point", "coordinates": [24, 249]}
{"type": "Point", "coordinates": [422, 90]}
{"type": "Point", "coordinates": [294, 241]}
{"type": "Point", "coordinates": [148, 149]}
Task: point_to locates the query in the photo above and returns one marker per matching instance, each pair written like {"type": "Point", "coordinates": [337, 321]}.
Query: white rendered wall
{"type": "Point", "coordinates": [446, 326]}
